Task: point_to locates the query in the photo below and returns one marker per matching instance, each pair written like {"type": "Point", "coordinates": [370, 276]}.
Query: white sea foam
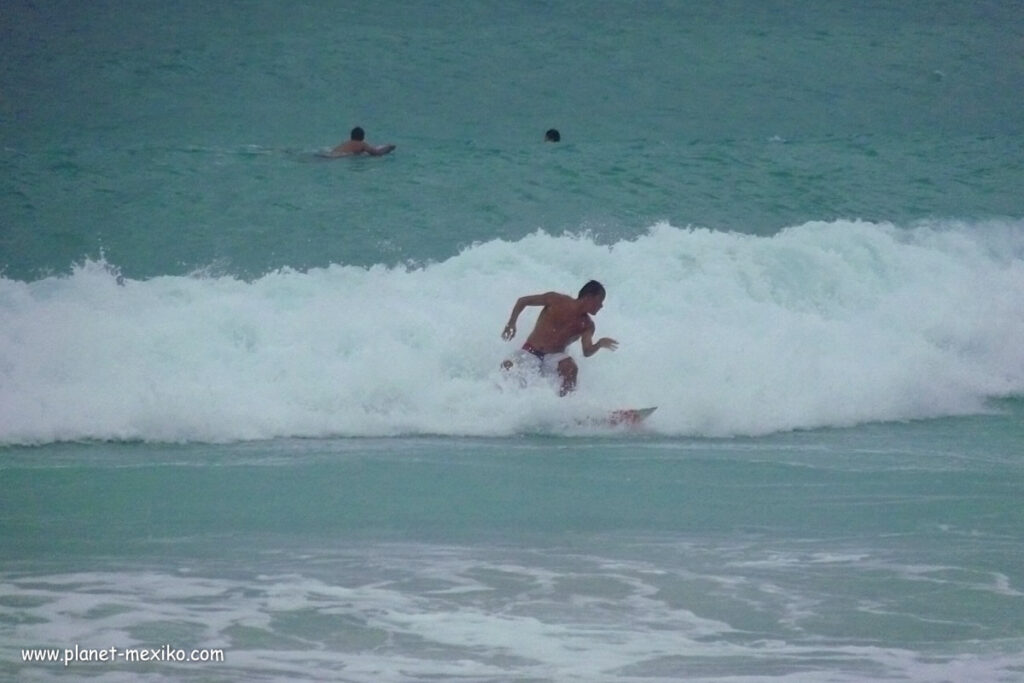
{"type": "Point", "coordinates": [397, 612]}
{"type": "Point", "coordinates": [822, 324]}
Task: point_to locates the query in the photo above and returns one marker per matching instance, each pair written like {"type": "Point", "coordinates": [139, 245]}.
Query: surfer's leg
{"type": "Point", "coordinates": [567, 370]}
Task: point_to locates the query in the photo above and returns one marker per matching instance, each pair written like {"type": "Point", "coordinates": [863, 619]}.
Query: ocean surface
{"type": "Point", "coordinates": [250, 399]}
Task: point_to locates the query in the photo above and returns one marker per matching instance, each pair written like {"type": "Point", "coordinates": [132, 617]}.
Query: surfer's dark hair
{"type": "Point", "coordinates": [552, 135]}
{"type": "Point", "coordinates": [592, 288]}
{"type": "Point", "coordinates": [358, 133]}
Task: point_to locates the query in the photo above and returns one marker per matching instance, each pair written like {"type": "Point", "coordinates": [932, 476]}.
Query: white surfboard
{"type": "Point", "coordinates": [629, 416]}
{"type": "Point", "coordinates": [626, 417]}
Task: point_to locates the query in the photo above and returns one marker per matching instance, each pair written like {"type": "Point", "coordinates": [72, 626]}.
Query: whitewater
{"type": "Point", "coordinates": [823, 324]}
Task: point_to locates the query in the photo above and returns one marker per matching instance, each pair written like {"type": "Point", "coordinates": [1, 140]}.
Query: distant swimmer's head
{"type": "Point", "coordinates": [357, 133]}
{"type": "Point", "coordinates": [552, 136]}
{"type": "Point", "coordinates": [593, 293]}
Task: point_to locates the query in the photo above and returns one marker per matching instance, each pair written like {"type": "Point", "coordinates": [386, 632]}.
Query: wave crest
{"type": "Point", "coordinates": [822, 324]}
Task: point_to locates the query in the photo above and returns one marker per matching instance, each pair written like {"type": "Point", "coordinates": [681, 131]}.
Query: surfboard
{"type": "Point", "coordinates": [629, 416]}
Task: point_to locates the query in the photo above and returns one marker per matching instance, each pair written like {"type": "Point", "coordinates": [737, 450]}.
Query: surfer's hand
{"type": "Point", "coordinates": [510, 331]}
{"type": "Point", "coordinates": [608, 343]}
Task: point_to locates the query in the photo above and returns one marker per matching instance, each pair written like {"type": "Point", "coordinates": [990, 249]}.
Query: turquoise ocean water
{"type": "Point", "coordinates": [250, 398]}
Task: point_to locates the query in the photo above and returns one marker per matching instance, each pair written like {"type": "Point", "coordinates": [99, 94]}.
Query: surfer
{"type": "Point", "coordinates": [552, 135]}
{"type": "Point", "coordinates": [561, 322]}
{"type": "Point", "coordinates": [356, 145]}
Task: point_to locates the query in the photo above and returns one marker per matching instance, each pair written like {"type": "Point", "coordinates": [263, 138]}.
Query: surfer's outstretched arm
{"type": "Point", "coordinates": [521, 303]}
{"type": "Point", "coordinates": [590, 347]}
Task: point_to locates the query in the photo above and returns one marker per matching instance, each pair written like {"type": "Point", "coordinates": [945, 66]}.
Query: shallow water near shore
{"type": "Point", "coordinates": [883, 552]}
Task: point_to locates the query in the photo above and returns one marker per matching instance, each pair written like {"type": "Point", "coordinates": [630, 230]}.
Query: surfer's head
{"type": "Point", "coordinates": [552, 135]}
{"type": "Point", "coordinates": [593, 294]}
{"type": "Point", "coordinates": [357, 133]}
{"type": "Point", "coordinates": [592, 288]}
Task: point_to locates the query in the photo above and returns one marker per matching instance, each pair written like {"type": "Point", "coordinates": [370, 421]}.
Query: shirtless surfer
{"type": "Point", "coordinates": [561, 322]}
{"type": "Point", "coordinates": [356, 145]}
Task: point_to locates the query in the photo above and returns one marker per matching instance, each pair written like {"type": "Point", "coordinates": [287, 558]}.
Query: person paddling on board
{"type": "Point", "coordinates": [561, 322]}
{"type": "Point", "coordinates": [356, 145]}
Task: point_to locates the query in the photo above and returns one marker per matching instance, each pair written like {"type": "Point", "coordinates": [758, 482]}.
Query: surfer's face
{"type": "Point", "coordinates": [593, 304]}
